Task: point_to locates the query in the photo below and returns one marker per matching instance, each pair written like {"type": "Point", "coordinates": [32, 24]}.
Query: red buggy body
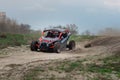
{"type": "Point", "coordinates": [53, 40]}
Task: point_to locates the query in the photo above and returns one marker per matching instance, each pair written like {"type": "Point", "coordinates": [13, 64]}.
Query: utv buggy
{"type": "Point", "coordinates": [53, 40]}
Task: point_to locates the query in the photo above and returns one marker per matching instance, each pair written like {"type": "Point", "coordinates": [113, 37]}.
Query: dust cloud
{"type": "Point", "coordinates": [110, 32]}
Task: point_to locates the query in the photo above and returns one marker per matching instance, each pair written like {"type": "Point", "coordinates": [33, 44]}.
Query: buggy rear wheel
{"type": "Point", "coordinates": [71, 45]}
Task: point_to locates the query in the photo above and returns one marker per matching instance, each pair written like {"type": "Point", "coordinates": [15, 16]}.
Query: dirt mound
{"type": "Point", "coordinates": [113, 43]}
{"type": "Point", "coordinates": [105, 41]}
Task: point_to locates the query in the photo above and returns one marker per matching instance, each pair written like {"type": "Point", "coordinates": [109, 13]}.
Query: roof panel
{"type": "Point", "coordinates": [55, 29]}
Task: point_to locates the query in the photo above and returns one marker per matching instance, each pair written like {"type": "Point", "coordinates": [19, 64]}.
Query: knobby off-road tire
{"type": "Point", "coordinates": [57, 48]}
{"type": "Point", "coordinates": [33, 46]}
{"type": "Point", "coordinates": [71, 45]}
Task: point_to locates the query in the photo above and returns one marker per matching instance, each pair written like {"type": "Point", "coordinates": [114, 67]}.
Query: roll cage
{"type": "Point", "coordinates": [56, 33]}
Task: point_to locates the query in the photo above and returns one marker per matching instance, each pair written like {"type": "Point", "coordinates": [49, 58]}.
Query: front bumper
{"type": "Point", "coordinates": [45, 47]}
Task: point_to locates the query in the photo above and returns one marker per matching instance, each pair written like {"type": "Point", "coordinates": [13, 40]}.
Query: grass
{"type": "Point", "coordinates": [17, 39]}
{"type": "Point", "coordinates": [30, 37]}
{"type": "Point", "coordinates": [69, 66]}
{"type": "Point", "coordinates": [33, 73]}
{"type": "Point", "coordinates": [12, 40]}
{"type": "Point", "coordinates": [82, 37]}
{"type": "Point", "coordinates": [110, 66]}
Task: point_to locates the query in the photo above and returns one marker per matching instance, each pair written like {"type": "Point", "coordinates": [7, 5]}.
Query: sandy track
{"type": "Point", "coordinates": [32, 56]}
{"type": "Point", "coordinates": [22, 55]}
{"type": "Point", "coordinates": [21, 59]}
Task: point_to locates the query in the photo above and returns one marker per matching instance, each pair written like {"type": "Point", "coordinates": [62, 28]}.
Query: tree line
{"type": "Point", "coordinates": [8, 25]}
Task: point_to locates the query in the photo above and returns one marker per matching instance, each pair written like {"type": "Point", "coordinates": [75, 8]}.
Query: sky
{"type": "Point", "coordinates": [92, 15]}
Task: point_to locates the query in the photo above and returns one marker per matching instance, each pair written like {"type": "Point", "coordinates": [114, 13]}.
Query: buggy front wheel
{"type": "Point", "coordinates": [57, 48]}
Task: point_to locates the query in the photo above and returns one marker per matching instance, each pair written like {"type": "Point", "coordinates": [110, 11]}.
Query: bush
{"type": "Point", "coordinates": [17, 39]}
{"type": "Point", "coordinates": [12, 40]}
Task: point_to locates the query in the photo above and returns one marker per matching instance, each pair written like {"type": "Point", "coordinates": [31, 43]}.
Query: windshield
{"type": "Point", "coordinates": [51, 34]}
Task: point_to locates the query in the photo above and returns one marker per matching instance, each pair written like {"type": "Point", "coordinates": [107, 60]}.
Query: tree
{"type": "Point", "coordinates": [87, 32]}
{"type": "Point", "coordinates": [73, 28]}
{"type": "Point", "coordinates": [8, 25]}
